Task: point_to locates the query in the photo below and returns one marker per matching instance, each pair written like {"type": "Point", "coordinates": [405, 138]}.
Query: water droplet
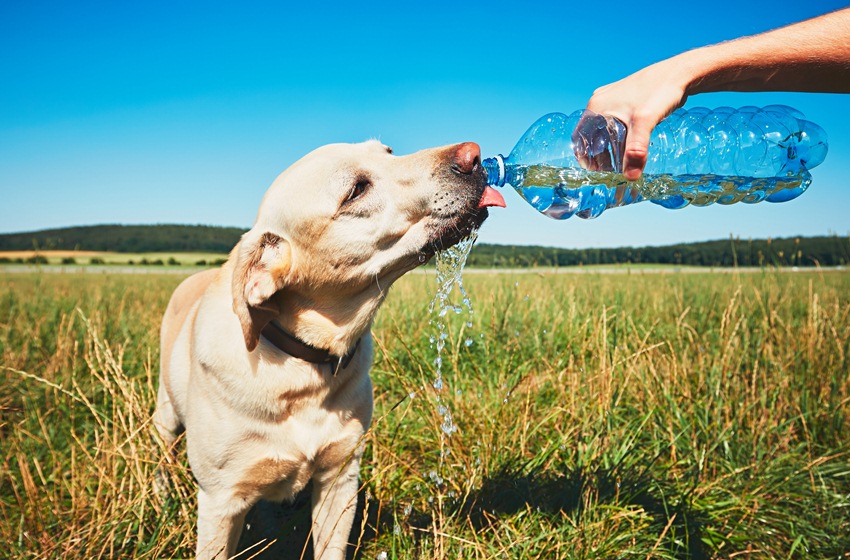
{"type": "Point", "coordinates": [412, 394]}
{"type": "Point", "coordinates": [468, 341]}
{"type": "Point", "coordinates": [438, 383]}
{"type": "Point", "coordinates": [448, 427]}
{"type": "Point", "coordinates": [435, 478]}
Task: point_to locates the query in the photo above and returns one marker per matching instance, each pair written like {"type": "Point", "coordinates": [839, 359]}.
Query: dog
{"type": "Point", "coordinates": [265, 361]}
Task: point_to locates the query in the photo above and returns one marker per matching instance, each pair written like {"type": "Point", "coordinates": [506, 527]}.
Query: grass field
{"type": "Point", "coordinates": [600, 416]}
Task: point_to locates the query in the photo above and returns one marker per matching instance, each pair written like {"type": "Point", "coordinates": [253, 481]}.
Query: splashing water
{"type": "Point", "coordinates": [450, 263]}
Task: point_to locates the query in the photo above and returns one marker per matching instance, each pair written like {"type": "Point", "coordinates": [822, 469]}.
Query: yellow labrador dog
{"type": "Point", "coordinates": [265, 362]}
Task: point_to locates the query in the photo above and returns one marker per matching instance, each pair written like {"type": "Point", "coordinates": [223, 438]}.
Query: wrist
{"type": "Point", "coordinates": [695, 69]}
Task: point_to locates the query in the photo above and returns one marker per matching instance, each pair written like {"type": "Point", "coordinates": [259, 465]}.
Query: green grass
{"type": "Point", "coordinates": [600, 416]}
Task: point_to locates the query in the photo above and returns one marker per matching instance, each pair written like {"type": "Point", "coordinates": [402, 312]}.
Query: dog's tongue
{"type": "Point", "coordinates": [491, 197]}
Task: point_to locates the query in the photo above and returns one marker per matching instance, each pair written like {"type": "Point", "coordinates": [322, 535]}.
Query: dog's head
{"type": "Point", "coordinates": [344, 222]}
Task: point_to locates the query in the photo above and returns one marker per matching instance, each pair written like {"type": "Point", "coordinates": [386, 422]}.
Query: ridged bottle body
{"type": "Point", "coordinates": [571, 165]}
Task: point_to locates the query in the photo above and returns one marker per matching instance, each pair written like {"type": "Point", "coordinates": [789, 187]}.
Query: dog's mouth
{"type": "Point", "coordinates": [450, 230]}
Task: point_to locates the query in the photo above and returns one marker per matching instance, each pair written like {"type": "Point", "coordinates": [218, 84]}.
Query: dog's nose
{"type": "Point", "coordinates": [467, 156]}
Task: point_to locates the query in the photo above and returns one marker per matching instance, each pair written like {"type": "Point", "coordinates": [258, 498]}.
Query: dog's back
{"type": "Point", "coordinates": [184, 299]}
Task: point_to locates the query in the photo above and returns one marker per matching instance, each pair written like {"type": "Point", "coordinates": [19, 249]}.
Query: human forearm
{"type": "Point", "coordinates": [810, 56]}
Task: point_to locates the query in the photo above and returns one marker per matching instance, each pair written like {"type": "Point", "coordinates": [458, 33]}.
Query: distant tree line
{"type": "Point", "coordinates": [792, 251]}
{"type": "Point", "coordinates": [126, 239]}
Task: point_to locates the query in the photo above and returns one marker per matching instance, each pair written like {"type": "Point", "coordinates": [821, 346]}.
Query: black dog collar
{"type": "Point", "coordinates": [297, 348]}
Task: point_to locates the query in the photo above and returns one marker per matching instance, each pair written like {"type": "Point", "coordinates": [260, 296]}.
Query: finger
{"type": "Point", "coordinates": [590, 142]}
{"type": "Point", "coordinates": [637, 149]}
{"type": "Point", "coordinates": [602, 162]}
{"type": "Point", "coordinates": [579, 143]}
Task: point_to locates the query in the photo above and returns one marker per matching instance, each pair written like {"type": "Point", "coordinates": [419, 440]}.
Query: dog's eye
{"type": "Point", "coordinates": [359, 188]}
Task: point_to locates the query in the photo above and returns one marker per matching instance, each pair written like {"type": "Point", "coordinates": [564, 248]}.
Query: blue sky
{"type": "Point", "coordinates": [184, 112]}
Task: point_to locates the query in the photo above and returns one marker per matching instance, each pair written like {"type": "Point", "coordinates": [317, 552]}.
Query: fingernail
{"type": "Point", "coordinates": [632, 174]}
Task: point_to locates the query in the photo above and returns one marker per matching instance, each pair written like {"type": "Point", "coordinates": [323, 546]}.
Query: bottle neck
{"type": "Point", "coordinates": [495, 167]}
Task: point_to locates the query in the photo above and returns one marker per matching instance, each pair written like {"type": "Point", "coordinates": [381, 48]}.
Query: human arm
{"type": "Point", "coordinates": [809, 56]}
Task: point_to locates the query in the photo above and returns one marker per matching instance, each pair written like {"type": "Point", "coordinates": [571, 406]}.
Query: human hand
{"type": "Point", "coordinates": [599, 141]}
{"type": "Point", "coordinates": [641, 101]}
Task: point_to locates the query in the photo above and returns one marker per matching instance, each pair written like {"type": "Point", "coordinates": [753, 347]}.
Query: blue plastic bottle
{"type": "Point", "coordinates": [572, 165]}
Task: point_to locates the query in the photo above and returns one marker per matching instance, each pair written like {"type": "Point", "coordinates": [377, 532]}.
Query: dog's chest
{"type": "Point", "coordinates": [283, 459]}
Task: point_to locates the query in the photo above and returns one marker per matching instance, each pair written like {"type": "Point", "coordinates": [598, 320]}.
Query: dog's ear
{"type": "Point", "coordinates": [263, 262]}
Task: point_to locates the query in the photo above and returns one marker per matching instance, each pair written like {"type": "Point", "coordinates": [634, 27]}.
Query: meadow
{"type": "Point", "coordinates": [599, 416]}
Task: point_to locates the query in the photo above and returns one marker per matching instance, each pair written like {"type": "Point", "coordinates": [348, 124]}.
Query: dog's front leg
{"type": "Point", "coordinates": [334, 503]}
{"type": "Point", "coordinates": [219, 527]}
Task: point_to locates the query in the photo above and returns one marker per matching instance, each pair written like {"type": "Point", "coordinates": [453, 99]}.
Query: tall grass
{"type": "Point", "coordinates": [600, 416]}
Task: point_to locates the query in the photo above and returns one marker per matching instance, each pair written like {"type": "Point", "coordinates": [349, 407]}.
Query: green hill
{"type": "Point", "coordinates": [791, 251]}
{"type": "Point", "coordinates": [171, 238]}
{"type": "Point", "coordinates": [126, 239]}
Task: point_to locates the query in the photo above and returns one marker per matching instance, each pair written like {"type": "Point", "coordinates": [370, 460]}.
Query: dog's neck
{"type": "Point", "coordinates": [292, 345]}
{"type": "Point", "coordinates": [333, 326]}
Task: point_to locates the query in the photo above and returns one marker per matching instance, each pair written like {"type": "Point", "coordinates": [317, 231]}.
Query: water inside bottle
{"type": "Point", "coordinates": [564, 192]}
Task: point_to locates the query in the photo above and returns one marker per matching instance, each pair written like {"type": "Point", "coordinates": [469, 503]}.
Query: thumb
{"type": "Point", "coordinates": [637, 148]}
